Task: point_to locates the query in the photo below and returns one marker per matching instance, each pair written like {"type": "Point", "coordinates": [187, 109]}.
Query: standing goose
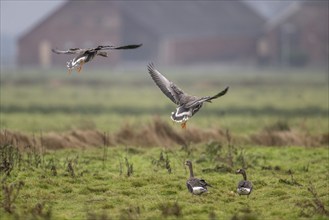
{"type": "Point", "coordinates": [187, 105]}
{"type": "Point", "coordinates": [244, 186]}
{"type": "Point", "coordinates": [86, 55]}
{"type": "Point", "coordinates": [194, 185]}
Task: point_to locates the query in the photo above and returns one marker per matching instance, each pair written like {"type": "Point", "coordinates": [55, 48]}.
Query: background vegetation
{"type": "Point", "coordinates": [273, 122]}
{"type": "Point", "coordinates": [32, 101]}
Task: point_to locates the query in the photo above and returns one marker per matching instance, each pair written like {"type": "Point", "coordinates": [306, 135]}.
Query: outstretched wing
{"type": "Point", "coordinates": [206, 99]}
{"type": "Point", "coordinates": [219, 94]}
{"type": "Point", "coordinates": [166, 86]}
{"type": "Point", "coordinates": [131, 46]}
{"type": "Point", "coordinates": [69, 51]}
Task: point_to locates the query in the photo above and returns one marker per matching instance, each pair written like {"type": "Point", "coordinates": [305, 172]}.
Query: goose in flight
{"type": "Point", "coordinates": [86, 55]}
{"type": "Point", "coordinates": [187, 105]}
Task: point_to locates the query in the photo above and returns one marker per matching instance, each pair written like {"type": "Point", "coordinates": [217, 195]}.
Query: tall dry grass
{"type": "Point", "coordinates": [160, 133]}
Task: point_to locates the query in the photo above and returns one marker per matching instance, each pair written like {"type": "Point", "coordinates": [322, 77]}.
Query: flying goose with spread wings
{"type": "Point", "coordinates": [86, 55]}
{"type": "Point", "coordinates": [188, 105]}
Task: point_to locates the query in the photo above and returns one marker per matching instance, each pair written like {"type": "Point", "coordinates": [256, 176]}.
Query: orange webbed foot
{"type": "Point", "coordinates": [80, 67]}
{"type": "Point", "coordinates": [183, 125]}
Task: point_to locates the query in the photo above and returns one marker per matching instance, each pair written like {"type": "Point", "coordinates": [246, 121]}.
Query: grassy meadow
{"type": "Point", "coordinates": [130, 180]}
{"type": "Point", "coordinates": [34, 101]}
{"type": "Point", "coordinates": [149, 183]}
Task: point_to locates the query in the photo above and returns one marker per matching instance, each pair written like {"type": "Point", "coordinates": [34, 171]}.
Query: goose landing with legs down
{"type": "Point", "coordinates": [188, 105]}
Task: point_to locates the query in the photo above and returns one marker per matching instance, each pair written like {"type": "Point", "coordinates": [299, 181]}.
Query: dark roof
{"type": "Point", "coordinates": [180, 18]}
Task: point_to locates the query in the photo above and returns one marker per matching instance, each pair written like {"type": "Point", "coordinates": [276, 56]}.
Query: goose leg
{"type": "Point", "coordinates": [69, 71]}
{"type": "Point", "coordinates": [80, 67]}
{"type": "Point", "coordinates": [183, 125]}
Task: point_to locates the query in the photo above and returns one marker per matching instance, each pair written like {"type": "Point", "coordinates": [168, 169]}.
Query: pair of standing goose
{"type": "Point", "coordinates": [198, 186]}
{"type": "Point", "coordinates": [187, 104]}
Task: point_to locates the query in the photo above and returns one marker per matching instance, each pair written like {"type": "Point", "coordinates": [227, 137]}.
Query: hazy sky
{"type": "Point", "coordinates": [17, 17]}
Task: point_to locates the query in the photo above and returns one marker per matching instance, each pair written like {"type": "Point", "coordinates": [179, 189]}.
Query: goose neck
{"type": "Point", "coordinates": [191, 171]}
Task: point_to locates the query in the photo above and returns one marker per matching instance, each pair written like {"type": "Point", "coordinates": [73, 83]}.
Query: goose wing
{"type": "Point", "coordinates": [166, 86]}
{"type": "Point", "coordinates": [245, 184]}
{"type": "Point", "coordinates": [205, 99]}
{"type": "Point", "coordinates": [69, 51]}
{"type": "Point", "coordinates": [196, 186]}
{"type": "Point", "coordinates": [131, 46]}
{"type": "Point", "coordinates": [204, 183]}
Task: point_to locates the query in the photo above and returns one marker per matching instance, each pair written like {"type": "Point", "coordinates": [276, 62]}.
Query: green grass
{"type": "Point", "coordinates": [100, 185]}
{"type": "Point", "coordinates": [32, 101]}
{"type": "Point", "coordinates": [92, 183]}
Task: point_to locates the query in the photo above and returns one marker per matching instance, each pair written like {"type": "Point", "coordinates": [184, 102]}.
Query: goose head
{"type": "Point", "coordinates": [240, 171]}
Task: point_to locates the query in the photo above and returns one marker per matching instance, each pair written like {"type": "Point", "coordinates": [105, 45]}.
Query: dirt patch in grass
{"type": "Point", "coordinates": [158, 133]}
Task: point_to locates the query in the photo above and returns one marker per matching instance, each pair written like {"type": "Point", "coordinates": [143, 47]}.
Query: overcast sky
{"type": "Point", "coordinates": [17, 17]}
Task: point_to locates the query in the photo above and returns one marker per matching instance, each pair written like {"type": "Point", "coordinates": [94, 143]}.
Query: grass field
{"type": "Point", "coordinates": [125, 178]}
{"type": "Point", "coordinates": [139, 183]}
{"type": "Point", "coordinates": [54, 101]}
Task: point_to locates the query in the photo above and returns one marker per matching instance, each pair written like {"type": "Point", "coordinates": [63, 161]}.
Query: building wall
{"type": "Point", "coordinates": [313, 23]}
{"type": "Point", "coordinates": [133, 32]}
{"type": "Point", "coordinates": [301, 38]}
{"type": "Point", "coordinates": [212, 49]}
